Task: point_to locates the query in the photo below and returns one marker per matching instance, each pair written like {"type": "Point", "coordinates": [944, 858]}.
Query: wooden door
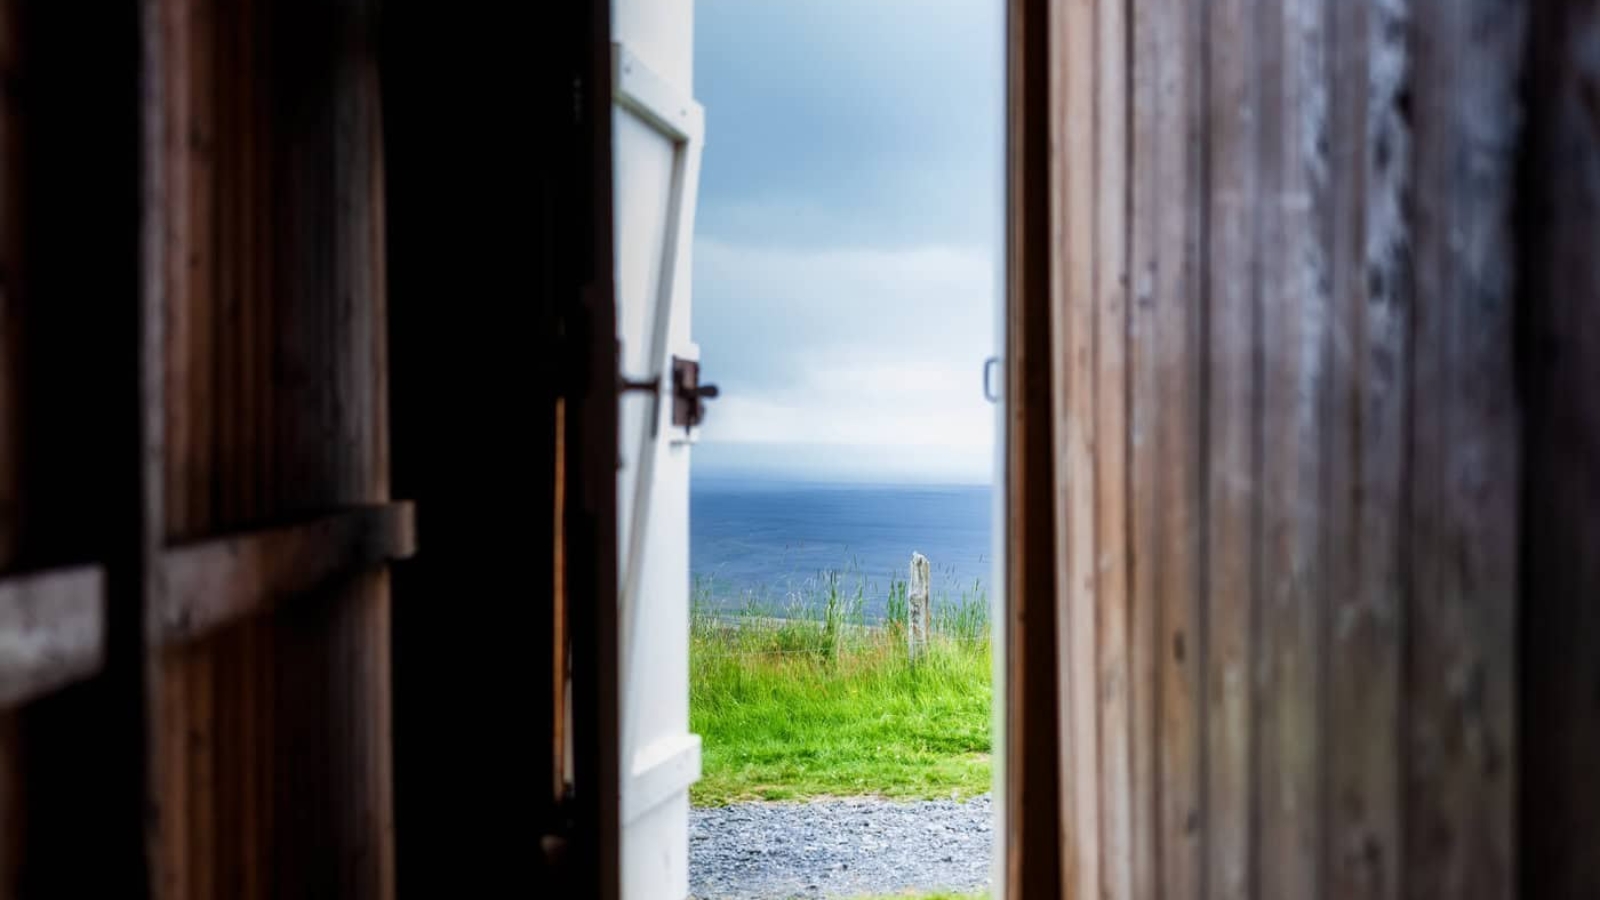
{"type": "Point", "coordinates": [1270, 284]}
{"type": "Point", "coordinates": [657, 130]}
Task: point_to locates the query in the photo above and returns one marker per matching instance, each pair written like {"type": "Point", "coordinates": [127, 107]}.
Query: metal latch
{"type": "Point", "coordinates": [688, 394]}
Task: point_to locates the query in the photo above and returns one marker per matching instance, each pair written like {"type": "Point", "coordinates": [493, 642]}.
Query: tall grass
{"type": "Point", "coordinates": [811, 698]}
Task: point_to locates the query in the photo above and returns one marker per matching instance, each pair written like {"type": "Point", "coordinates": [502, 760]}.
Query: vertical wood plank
{"type": "Point", "coordinates": [1232, 438]}
{"type": "Point", "coordinates": [1460, 714]}
{"type": "Point", "coordinates": [275, 365]}
{"type": "Point", "coordinates": [1294, 299]}
{"type": "Point", "coordinates": [1365, 447]}
{"type": "Point", "coordinates": [1176, 472]}
{"type": "Point", "coordinates": [1146, 629]}
{"type": "Point", "coordinates": [1118, 661]}
{"type": "Point", "coordinates": [1319, 405]}
{"type": "Point", "coordinates": [169, 52]}
{"type": "Point", "coordinates": [1072, 307]}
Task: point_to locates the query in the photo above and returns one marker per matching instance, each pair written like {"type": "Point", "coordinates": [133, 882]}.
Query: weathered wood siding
{"type": "Point", "coordinates": [271, 735]}
{"type": "Point", "coordinates": [195, 513]}
{"type": "Point", "coordinates": [1282, 303]}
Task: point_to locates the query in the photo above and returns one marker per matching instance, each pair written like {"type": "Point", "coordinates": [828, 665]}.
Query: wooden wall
{"type": "Point", "coordinates": [271, 737]}
{"type": "Point", "coordinates": [197, 366]}
{"type": "Point", "coordinates": [194, 485]}
{"type": "Point", "coordinates": [1319, 288]}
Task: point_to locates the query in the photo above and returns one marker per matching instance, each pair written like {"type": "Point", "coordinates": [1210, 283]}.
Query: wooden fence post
{"type": "Point", "coordinates": [919, 606]}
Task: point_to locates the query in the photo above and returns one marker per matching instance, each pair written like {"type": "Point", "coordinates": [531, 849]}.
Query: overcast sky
{"type": "Point", "coordinates": [847, 235]}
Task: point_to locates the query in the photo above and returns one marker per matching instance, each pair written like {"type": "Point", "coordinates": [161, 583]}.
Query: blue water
{"type": "Point", "coordinates": [769, 540]}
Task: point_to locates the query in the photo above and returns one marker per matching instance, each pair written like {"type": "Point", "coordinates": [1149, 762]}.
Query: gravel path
{"type": "Point", "coordinates": [838, 848]}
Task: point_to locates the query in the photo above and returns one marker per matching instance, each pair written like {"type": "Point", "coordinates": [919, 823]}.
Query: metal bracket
{"type": "Point", "coordinates": [688, 394]}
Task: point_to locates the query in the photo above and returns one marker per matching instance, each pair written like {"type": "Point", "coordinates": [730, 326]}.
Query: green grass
{"type": "Point", "coordinates": [815, 701]}
{"type": "Point", "coordinates": [938, 896]}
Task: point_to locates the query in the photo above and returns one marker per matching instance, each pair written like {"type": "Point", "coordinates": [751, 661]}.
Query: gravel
{"type": "Point", "coordinates": [838, 848]}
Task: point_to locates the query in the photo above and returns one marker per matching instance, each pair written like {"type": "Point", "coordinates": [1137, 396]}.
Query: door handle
{"type": "Point", "coordinates": [989, 391]}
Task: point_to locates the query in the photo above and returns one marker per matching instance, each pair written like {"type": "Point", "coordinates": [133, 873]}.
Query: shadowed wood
{"type": "Point", "coordinates": [272, 739]}
{"type": "Point", "coordinates": [52, 630]}
{"type": "Point", "coordinates": [1460, 751]}
{"type": "Point", "coordinates": [1559, 363]}
{"type": "Point", "coordinates": [222, 581]}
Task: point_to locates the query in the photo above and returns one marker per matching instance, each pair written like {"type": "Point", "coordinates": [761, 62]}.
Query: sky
{"type": "Point", "coordinates": [847, 236]}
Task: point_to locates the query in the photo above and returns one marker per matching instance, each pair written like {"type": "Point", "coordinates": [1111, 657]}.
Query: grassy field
{"type": "Point", "coordinates": [916, 896]}
{"type": "Point", "coordinates": [812, 700]}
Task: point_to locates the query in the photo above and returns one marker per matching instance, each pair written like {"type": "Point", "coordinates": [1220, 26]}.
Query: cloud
{"type": "Point", "coordinates": [774, 317]}
{"type": "Point", "coordinates": [847, 347]}
{"type": "Point", "coordinates": [877, 122]}
{"type": "Point", "coordinates": [848, 229]}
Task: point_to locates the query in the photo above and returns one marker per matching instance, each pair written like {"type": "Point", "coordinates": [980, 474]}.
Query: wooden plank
{"type": "Point", "coordinates": [1365, 450]}
{"type": "Point", "coordinates": [52, 631]}
{"type": "Point", "coordinates": [1460, 716]}
{"type": "Point", "coordinates": [1293, 310]}
{"type": "Point", "coordinates": [213, 583]}
{"type": "Point", "coordinates": [1146, 630]}
{"type": "Point", "coordinates": [1117, 663]}
{"type": "Point", "coordinates": [1072, 308]}
{"type": "Point", "coordinates": [1232, 442]}
{"type": "Point", "coordinates": [1176, 515]}
{"type": "Point", "coordinates": [176, 235]}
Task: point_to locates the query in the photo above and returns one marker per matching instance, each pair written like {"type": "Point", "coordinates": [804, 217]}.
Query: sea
{"type": "Point", "coordinates": [767, 543]}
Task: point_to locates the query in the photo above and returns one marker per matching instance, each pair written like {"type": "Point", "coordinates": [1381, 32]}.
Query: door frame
{"type": "Point", "coordinates": [1027, 849]}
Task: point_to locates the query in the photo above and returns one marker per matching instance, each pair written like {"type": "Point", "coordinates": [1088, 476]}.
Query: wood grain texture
{"type": "Point", "coordinates": [1460, 751]}
{"type": "Point", "coordinates": [1072, 333]}
{"type": "Point", "coordinates": [1118, 661]}
{"type": "Point", "coordinates": [273, 362]}
{"type": "Point", "coordinates": [1365, 447]}
{"type": "Point", "coordinates": [1293, 311]}
{"type": "Point", "coordinates": [1232, 208]}
{"type": "Point", "coordinates": [1286, 462]}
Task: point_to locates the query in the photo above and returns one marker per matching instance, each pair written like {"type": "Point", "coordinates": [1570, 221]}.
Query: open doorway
{"type": "Point", "coordinates": [845, 293]}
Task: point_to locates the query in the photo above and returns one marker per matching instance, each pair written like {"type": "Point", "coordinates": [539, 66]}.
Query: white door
{"type": "Point", "coordinates": [657, 130]}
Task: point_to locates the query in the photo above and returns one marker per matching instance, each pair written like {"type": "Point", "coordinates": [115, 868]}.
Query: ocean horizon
{"type": "Point", "coordinates": [765, 540]}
